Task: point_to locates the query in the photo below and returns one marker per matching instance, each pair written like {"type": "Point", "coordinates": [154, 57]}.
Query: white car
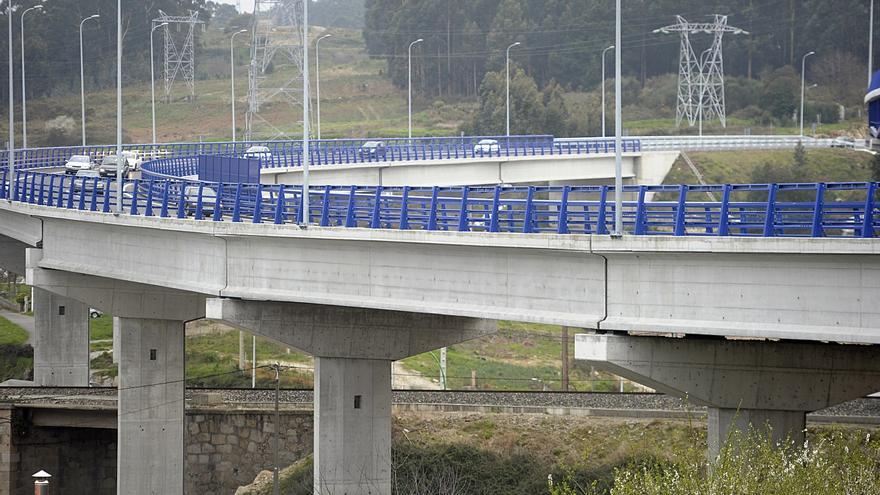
{"type": "Point", "coordinates": [191, 197]}
{"type": "Point", "coordinates": [487, 147]}
{"type": "Point", "coordinates": [76, 163]}
{"type": "Point", "coordinates": [134, 158]}
{"type": "Point", "coordinates": [260, 152]}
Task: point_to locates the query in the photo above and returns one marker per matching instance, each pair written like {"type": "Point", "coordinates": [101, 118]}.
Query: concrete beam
{"type": "Point", "coordinates": [347, 332]}
{"type": "Point", "coordinates": [61, 341]}
{"type": "Point", "coordinates": [768, 385]}
{"type": "Point", "coordinates": [12, 255]}
{"type": "Point", "coordinates": [21, 226]}
{"type": "Point", "coordinates": [735, 374]}
{"type": "Point", "coordinates": [475, 171]}
{"type": "Point", "coordinates": [117, 297]}
{"type": "Point", "coordinates": [151, 407]}
{"type": "Point", "coordinates": [72, 417]}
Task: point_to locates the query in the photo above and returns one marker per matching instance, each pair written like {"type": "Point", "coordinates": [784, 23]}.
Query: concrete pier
{"type": "Point", "coordinates": [765, 385]}
{"type": "Point", "coordinates": [353, 349]}
{"type": "Point", "coordinates": [151, 407]}
{"type": "Point", "coordinates": [61, 343]}
{"type": "Point", "coordinates": [353, 426]}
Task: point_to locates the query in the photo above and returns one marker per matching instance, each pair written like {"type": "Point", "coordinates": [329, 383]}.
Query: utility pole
{"type": "Point", "coordinates": [443, 382]}
{"type": "Point", "coordinates": [603, 87]}
{"type": "Point", "coordinates": [409, 85]}
{"type": "Point", "coordinates": [871, 43]}
{"type": "Point", "coordinates": [275, 485]}
{"type": "Point", "coordinates": [305, 144]}
{"type": "Point", "coordinates": [618, 130]}
{"type": "Point", "coordinates": [82, 83]}
{"type": "Point", "coordinates": [507, 73]}
{"type": "Point", "coordinates": [119, 157]}
{"type": "Point", "coordinates": [803, 88]}
{"type": "Point", "coordinates": [565, 359]}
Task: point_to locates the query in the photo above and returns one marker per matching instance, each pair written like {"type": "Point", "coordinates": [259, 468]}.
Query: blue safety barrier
{"type": "Point", "coordinates": [835, 210]}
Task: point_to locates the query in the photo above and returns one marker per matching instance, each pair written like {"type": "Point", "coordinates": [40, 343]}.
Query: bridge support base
{"type": "Point", "coordinates": [61, 341]}
{"type": "Point", "coordinates": [151, 406]}
{"type": "Point", "coordinates": [769, 386]}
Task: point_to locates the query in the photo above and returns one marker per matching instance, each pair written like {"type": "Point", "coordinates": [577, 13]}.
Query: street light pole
{"type": "Point", "coordinates": [153, 78]}
{"type": "Point", "coordinates": [507, 72]}
{"type": "Point", "coordinates": [23, 81]}
{"type": "Point", "coordinates": [409, 83]}
{"type": "Point", "coordinates": [82, 81]}
{"type": "Point", "coordinates": [603, 87]}
{"type": "Point", "coordinates": [119, 158]}
{"type": "Point", "coordinates": [618, 130]}
{"type": "Point", "coordinates": [11, 144]}
{"type": "Point", "coordinates": [232, 74]}
{"type": "Point", "coordinates": [305, 45]}
{"type": "Point", "coordinates": [803, 91]}
{"type": "Point", "coordinates": [871, 43]}
{"type": "Point", "coordinates": [318, 81]}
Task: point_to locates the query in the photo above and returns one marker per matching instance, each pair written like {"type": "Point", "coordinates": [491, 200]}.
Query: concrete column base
{"type": "Point", "coordinates": [352, 426]}
{"type": "Point", "coordinates": [779, 425]}
{"type": "Point", "coordinates": [151, 401]}
{"type": "Point", "coordinates": [61, 343]}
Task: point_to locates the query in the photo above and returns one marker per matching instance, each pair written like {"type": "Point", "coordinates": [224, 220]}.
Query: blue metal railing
{"type": "Point", "coordinates": [760, 210]}
{"type": "Point", "coordinates": [334, 151]}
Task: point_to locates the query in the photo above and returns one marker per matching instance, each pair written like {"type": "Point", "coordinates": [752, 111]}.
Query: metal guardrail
{"type": "Point", "coordinates": [720, 143]}
{"type": "Point", "coordinates": [331, 151]}
{"type": "Point", "coordinates": [835, 210]}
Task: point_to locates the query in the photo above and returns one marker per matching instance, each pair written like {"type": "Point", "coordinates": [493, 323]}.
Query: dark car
{"type": "Point", "coordinates": [373, 150]}
{"type": "Point", "coordinates": [109, 164]}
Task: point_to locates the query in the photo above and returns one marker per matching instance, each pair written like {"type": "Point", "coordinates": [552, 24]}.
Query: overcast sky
{"type": "Point", "coordinates": [246, 5]}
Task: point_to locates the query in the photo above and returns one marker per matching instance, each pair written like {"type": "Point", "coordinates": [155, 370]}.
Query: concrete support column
{"type": "Point", "coordinates": [352, 426]}
{"type": "Point", "coordinates": [115, 339]}
{"type": "Point", "coordinates": [61, 343]}
{"type": "Point", "coordinates": [779, 425]}
{"type": "Point", "coordinates": [151, 406]}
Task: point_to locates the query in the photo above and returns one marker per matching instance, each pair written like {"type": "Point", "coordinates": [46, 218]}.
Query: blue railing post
{"type": "Point", "coordinates": [404, 209]}
{"type": "Point", "coordinates": [723, 220]}
{"type": "Point", "coordinates": [69, 193]}
{"type": "Point", "coordinates": [601, 227]}
{"type": "Point", "coordinates": [325, 207]}
{"type": "Point", "coordinates": [303, 216]}
{"type": "Point", "coordinates": [198, 215]}
{"type": "Point", "coordinates": [218, 204]}
{"type": "Point", "coordinates": [770, 218]}
{"type": "Point", "coordinates": [868, 219]}
{"type": "Point", "coordinates": [93, 205]}
{"type": "Point", "coordinates": [496, 205]}
{"type": "Point", "coordinates": [81, 203]}
{"type": "Point", "coordinates": [527, 219]}
{"type": "Point", "coordinates": [641, 220]}
{"type": "Point", "coordinates": [350, 220]}
{"type": "Point", "coordinates": [818, 211]}
{"type": "Point", "coordinates": [106, 206]}
{"type": "Point", "coordinates": [258, 205]}
{"type": "Point", "coordinates": [680, 210]}
{"type": "Point", "coordinates": [134, 197]}
{"type": "Point", "coordinates": [279, 206]}
{"type": "Point", "coordinates": [148, 211]}
{"type": "Point", "coordinates": [163, 212]}
{"type": "Point", "coordinates": [562, 221]}
{"type": "Point", "coordinates": [236, 208]}
{"type": "Point", "coordinates": [181, 201]}
{"type": "Point", "coordinates": [463, 225]}
{"type": "Point", "coordinates": [432, 212]}
{"type": "Point", "coordinates": [51, 193]}
{"type": "Point", "coordinates": [376, 219]}
{"type": "Point", "coordinates": [42, 188]}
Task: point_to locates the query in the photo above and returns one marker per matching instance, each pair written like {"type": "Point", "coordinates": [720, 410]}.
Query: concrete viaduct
{"type": "Point", "coordinates": [761, 330]}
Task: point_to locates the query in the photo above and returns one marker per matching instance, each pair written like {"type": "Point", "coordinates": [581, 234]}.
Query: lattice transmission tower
{"type": "Point", "coordinates": [701, 79]}
{"type": "Point", "coordinates": [180, 52]}
{"type": "Point", "coordinates": [275, 72]}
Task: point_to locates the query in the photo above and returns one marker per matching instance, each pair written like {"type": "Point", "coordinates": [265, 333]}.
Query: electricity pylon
{"type": "Point", "coordinates": [701, 79]}
{"type": "Point", "coordinates": [179, 54]}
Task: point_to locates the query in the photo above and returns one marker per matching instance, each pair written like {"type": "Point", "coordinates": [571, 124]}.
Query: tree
{"type": "Point", "coordinates": [556, 118]}
{"type": "Point", "coordinates": [526, 105]}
